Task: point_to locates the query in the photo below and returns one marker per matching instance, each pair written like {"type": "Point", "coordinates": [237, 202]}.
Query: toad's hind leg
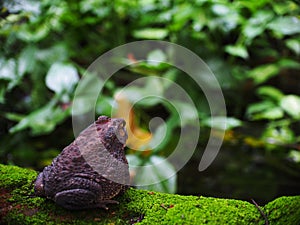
{"type": "Point", "coordinates": [77, 199]}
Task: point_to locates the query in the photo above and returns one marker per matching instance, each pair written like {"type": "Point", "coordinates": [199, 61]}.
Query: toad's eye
{"type": "Point", "coordinates": [122, 132]}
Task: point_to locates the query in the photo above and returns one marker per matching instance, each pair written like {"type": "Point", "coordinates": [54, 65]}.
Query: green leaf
{"type": "Point", "coordinates": [291, 105]}
{"type": "Point", "coordinates": [96, 7]}
{"type": "Point", "coordinates": [257, 24]}
{"type": "Point", "coordinates": [275, 136]}
{"type": "Point", "coordinates": [157, 172]}
{"type": "Point", "coordinates": [285, 25]}
{"type": "Point", "coordinates": [270, 114]}
{"type": "Point", "coordinates": [253, 5]}
{"type": "Point", "coordinates": [259, 107]}
{"type": "Point", "coordinates": [264, 110]}
{"type": "Point", "coordinates": [26, 61]}
{"type": "Point", "coordinates": [61, 77]}
{"type": "Point", "coordinates": [24, 6]}
{"type": "Point", "coordinates": [158, 136]}
{"type": "Point", "coordinates": [57, 53]}
{"type": "Point", "coordinates": [7, 69]}
{"type": "Point", "coordinates": [235, 50]}
{"type": "Point", "coordinates": [295, 155]}
{"type": "Point", "coordinates": [181, 14]}
{"type": "Point", "coordinates": [144, 95]}
{"type": "Point", "coordinates": [156, 57]}
{"type": "Point", "coordinates": [220, 9]}
{"type": "Point", "coordinates": [263, 73]}
{"type": "Point", "coordinates": [269, 92]}
{"type": "Point", "coordinates": [43, 120]}
{"type": "Point", "coordinates": [2, 93]}
{"type": "Point", "coordinates": [34, 32]}
{"type": "Point", "coordinates": [163, 134]}
{"type": "Point", "coordinates": [251, 31]}
{"type": "Point", "coordinates": [9, 73]}
{"type": "Point", "coordinates": [104, 105]}
{"type": "Point", "coordinates": [14, 116]}
{"type": "Point", "coordinates": [284, 7]}
{"type": "Point", "coordinates": [222, 123]}
{"type": "Point", "coordinates": [187, 112]}
{"type": "Point", "coordinates": [294, 45]}
{"type": "Point", "coordinates": [86, 93]}
{"type": "Point", "coordinates": [151, 33]}
{"type": "Point", "coordinates": [288, 64]}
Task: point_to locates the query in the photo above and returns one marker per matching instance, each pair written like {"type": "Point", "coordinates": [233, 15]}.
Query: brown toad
{"type": "Point", "coordinates": [91, 170]}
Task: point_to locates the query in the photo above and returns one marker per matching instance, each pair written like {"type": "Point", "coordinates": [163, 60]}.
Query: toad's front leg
{"type": "Point", "coordinates": [77, 199]}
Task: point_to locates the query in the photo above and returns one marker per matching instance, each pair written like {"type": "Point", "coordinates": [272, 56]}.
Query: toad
{"type": "Point", "coordinates": [89, 172]}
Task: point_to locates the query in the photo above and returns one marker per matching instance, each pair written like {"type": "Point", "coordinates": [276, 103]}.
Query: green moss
{"type": "Point", "coordinates": [13, 176]}
{"type": "Point", "coordinates": [19, 206]}
{"type": "Point", "coordinates": [170, 209]}
{"type": "Point", "coordinates": [289, 206]}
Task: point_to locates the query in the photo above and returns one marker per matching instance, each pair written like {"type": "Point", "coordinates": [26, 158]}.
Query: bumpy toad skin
{"type": "Point", "coordinates": [91, 170]}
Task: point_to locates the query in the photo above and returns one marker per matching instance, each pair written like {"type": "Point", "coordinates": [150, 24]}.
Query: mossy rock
{"type": "Point", "coordinates": [18, 205]}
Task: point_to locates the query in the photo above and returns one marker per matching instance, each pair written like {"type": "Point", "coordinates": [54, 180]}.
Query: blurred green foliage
{"type": "Point", "coordinates": [253, 48]}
